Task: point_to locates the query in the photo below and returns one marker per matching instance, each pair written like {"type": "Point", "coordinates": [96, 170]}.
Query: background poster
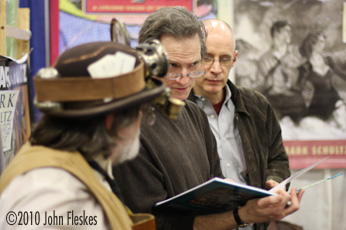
{"type": "Point", "coordinates": [8, 102]}
{"type": "Point", "coordinates": [14, 106]}
{"type": "Point", "coordinates": [304, 77]}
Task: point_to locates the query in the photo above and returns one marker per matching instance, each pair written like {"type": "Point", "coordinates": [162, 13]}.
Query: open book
{"type": "Point", "coordinates": [218, 195]}
{"type": "Point", "coordinates": [213, 196]}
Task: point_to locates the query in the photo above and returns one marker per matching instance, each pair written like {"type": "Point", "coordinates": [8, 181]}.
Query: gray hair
{"type": "Point", "coordinates": [177, 22]}
{"type": "Point", "coordinates": [89, 136]}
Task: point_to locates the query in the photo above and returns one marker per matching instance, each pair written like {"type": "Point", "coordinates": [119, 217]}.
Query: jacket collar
{"type": "Point", "coordinates": [235, 97]}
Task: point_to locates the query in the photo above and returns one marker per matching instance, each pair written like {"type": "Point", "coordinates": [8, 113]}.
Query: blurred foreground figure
{"type": "Point", "coordinates": [62, 178]}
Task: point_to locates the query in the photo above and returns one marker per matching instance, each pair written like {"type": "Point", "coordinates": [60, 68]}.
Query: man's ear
{"type": "Point", "coordinates": [109, 121]}
{"type": "Point", "coordinates": [235, 56]}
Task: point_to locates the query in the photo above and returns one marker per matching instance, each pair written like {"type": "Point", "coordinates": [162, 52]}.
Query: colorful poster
{"type": "Point", "coordinates": [76, 27]}
{"type": "Point", "coordinates": [293, 53]}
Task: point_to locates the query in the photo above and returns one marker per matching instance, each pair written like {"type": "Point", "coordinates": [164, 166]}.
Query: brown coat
{"type": "Point", "coordinates": [260, 132]}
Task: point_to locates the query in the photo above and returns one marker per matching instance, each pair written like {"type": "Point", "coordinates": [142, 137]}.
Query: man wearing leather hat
{"type": "Point", "coordinates": [92, 102]}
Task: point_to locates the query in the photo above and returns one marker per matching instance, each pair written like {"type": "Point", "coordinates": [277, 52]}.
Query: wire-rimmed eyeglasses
{"type": "Point", "coordinates": [193, 74]}
{"type": "Point", "coordinates": [224, 61]}
{"type": "Point", "coordinates": [176, 76]}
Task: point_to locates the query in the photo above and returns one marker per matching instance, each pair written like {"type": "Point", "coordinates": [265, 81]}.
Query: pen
{"type": "Point", "coordinates": [283, 183]}
{"type": "Point", "coordinates": [329, 178]}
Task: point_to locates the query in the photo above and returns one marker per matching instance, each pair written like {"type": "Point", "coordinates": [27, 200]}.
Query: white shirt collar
{"type": "Point", "coordinates": [105, 164]}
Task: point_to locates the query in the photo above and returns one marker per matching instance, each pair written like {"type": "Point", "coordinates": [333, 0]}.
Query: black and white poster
{"type": "Point", "coordinates": [293, 52]}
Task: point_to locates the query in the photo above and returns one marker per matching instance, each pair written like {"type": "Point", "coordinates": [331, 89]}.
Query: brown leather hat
{"type": "Point", "coordinates": [69, 90]}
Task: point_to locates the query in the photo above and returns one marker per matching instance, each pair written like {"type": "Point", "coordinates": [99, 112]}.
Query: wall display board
{"type": "Point", "coordinates": [293, 52]}
{"type": "Point", "coordinates": [14, 105]}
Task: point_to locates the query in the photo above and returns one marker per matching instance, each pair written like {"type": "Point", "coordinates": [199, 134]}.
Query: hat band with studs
{"type": "Point", "coordinates": [89, 89]}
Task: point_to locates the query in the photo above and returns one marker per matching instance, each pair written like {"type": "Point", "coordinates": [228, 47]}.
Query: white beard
{"type": "Point", "coordinates": [130, 150]}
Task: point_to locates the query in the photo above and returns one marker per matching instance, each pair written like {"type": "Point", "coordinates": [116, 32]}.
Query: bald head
{"type": "Point", "coordinates": [219, 28]}
{"type": "Point", "coordinates": [220, 58]}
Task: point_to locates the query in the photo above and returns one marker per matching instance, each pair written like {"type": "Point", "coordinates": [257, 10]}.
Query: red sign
{"type": "Point", "coordinates": [132, 6]}
{"type": "Point", "coordinates": [305, 153]}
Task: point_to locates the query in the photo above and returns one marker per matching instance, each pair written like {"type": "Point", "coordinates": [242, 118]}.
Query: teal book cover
{"type": "Point", "coordinates": [214, 196]}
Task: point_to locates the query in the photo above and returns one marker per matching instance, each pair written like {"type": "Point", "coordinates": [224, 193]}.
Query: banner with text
{"type": "Point", "coordinates": [305, 153]}
{"type": "Point", "coordinates": [132, 6]}
{"type": "Point", "coordinates": [133, 12]}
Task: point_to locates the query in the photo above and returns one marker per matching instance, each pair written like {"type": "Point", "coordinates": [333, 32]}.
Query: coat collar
{"type": "Point", "coordinates": [235, 97]}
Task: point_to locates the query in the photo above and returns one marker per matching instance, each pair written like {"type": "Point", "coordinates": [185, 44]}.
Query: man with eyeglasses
{"type": "Point", "coordinates": [244, 124]}
{"type": "Point", "coordinates": [176, 155]}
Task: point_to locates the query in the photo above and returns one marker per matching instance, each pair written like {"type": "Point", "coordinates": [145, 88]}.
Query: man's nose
{"type": "Point", "coordinates": [216, 67]}
{"type": "Point", "coordinates": [184, 79]}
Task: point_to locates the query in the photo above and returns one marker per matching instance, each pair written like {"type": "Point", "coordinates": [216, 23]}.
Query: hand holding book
{"type": "Point", "coordinates": [220, 195]}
